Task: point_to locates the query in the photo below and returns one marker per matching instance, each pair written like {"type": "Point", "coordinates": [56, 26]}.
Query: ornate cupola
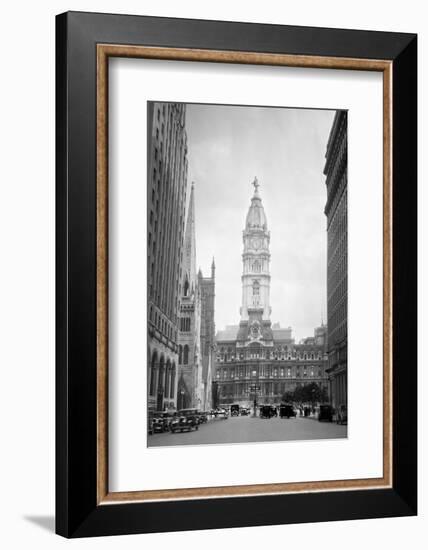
{"type": "Point", "coordinates": [255, 309]}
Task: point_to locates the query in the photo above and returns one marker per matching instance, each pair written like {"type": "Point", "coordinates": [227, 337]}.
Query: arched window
{"type": "Point", "coordinates": [167, 378]}
{"type": "Point", "coordinates": [180, 354]}
{"type": "Point", "coordinates": [186, 287]}
{"type": "Point", "coordinates": [186, 355]}
{"type": "Point", "coordinates": [161, 375]}
{"type": "Point", "coordinates": [172, 386]}
{"type": "Point", "coordinates": [153, 374]}
{"type": "Point", "coordinates": [256, 288]}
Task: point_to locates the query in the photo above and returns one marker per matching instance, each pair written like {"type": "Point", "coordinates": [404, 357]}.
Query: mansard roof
{"type": "Point", "coordinates": [232, 333]}
{"type": "Point", "coordinates": [280, 334]}
{"type": "Point", "coordinates": [229, 334]}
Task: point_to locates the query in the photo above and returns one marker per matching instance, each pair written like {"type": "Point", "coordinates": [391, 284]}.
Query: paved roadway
{"type": "Point", "coordinates": [244, 429]}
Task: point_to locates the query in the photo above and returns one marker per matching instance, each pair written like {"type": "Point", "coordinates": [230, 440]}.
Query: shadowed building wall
{"type": "Point", "coordinates": [166, 199]}
{"type": "Point", "coordinates": [336, 210]}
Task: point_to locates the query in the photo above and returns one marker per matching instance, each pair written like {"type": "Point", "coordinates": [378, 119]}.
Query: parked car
{"type": "Point", "coordinates": [342, 415]}
{"type": "Point", "coordinates": [203, 417]}
{"type": "Point", "coordinates": [161, 422]}
{"type": "Point", "coordinates": [245, 411]}
{"type": "Point", "coordinates": [268, 411]}
{"type": "Point", "coordinates": [326, 413]}
{"type": "Point", "coordinates": [150, 425]}
{"type": "Point", "coordinates": [221, 413]}
{"type": "Point", "coordinates": [186, 420]}
{"type": "Point", "coordinates": [286, 411]}
{"type": "Point", "coordinates": [234, 410]}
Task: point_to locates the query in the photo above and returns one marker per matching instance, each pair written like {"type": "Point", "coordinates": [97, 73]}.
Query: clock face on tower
{"type": "Point", "coordinates": [256, 243]}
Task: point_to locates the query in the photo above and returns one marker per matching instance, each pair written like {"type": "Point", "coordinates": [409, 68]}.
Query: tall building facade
{"type": "Point", "coordinates": [336, 211]}
{"type": "Point", "coordinates": [255, 352]}
{"type": "Point", "coordinates": [166, 199]}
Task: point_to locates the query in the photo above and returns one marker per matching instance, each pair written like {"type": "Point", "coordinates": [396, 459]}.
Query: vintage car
{"type": "Point", "coordinates": [286, 411]}
{"type": "Point", "coordinates": [342, 415]}
{"type": "Point", "coordinates": [186, 420]}
{"type": "Point", "coordinates": [326, 413]}
{"type": "Point", "coordinates": [161, 422]}
{"type": "Point", "coordinates": [221, 413]}
{"type": "Point", "coordinates": [268, 411]}
{"type": "Point", "coordinates": [234, 410]}
{"type": "Point", "coordinates": [203, 417]}
{"type": "Point", "coordinates": [245, 411]}
{"type": "Point", "coordinates": [150, 425]}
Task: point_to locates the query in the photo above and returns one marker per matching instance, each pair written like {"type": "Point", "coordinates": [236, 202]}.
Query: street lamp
{"type": "Point", "coordinates": [254, 390]}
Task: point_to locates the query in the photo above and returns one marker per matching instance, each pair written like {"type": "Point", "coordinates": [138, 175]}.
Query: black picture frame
{"type": "Point", "coordinates": [77, 512]}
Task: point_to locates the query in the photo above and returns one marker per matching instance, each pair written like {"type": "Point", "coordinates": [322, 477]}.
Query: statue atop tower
{"type": "Point", "coordinates": [256, 184]}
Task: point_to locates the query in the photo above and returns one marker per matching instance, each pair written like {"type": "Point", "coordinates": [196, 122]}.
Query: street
{"type": "Point", "coordinates": [243, 429]}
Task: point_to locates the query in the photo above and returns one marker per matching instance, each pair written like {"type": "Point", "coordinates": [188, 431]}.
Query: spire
{"type": "Point", "coordinates": [256, 217]}
{"type": "Point", "coordinates": [213, 269]}
{"type": "Point", "coordinates": [189, 259]}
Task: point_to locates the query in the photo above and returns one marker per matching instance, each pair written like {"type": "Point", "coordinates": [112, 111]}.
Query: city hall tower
{"type": "Point", "coordinates": [255, 310]}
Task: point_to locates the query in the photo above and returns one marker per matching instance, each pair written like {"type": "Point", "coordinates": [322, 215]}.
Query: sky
{"type": "Point", "coordinates": [285, 148]}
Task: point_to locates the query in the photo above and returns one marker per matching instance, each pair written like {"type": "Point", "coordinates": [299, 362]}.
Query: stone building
{"type": "Point", "coordinates": [336, 210]}
{"type": "Point", "coordinates": [257, 352]}
{"type": "Point", "coordinates": [207, 286]}
{"type": "Point", "coordinates": [196, 328]}
{"type": "Point", "coordinates": [166, 199]}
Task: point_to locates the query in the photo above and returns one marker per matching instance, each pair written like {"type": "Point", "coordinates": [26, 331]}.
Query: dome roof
{"type": "Point", "coordinates": [256, 217]}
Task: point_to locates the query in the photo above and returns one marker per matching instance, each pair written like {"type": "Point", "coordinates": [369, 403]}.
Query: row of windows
{"type": "Point", "coordinates": [230, 390]}
{"type": "Point", "coordinates": [162, 380]}
{"type": "Point", "coordinates": [338, 316]}
{"type": "Point", "coordinates": [183, 355]}
{"type": "Point", "coordinates": [269, 372]}
{"type": "Point", "coordinates": [185, 324]}
{"type": "Point", "coordinates": [228, 358]}
{"type": "Point", "coordinates": [162, 324]}
{"type": "Point", "coordinates": [337, 173]}
{"type": "Point", "coordinates": [165, 224]}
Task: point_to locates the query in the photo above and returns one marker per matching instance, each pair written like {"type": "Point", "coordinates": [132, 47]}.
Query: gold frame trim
{"type": "Point", "coordinates": [104, 51]}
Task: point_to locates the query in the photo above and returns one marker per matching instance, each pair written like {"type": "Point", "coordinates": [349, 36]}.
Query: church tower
{"type": "Point", "coordinates": [189, 257]}
{"type": "Point", "coordinates": [255, 309]}
{"type": "Point", "coordinates": [189, 352]}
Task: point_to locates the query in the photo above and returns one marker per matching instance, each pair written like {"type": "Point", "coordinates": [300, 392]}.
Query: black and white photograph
{"type": "Point", "coordinates": [247, 274]}
{"type": "Point", "coordinates": [186, 276]}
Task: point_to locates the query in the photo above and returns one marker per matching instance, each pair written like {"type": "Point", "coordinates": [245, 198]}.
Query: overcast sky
{"type": "Point", "coordinates": [285, 149]}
